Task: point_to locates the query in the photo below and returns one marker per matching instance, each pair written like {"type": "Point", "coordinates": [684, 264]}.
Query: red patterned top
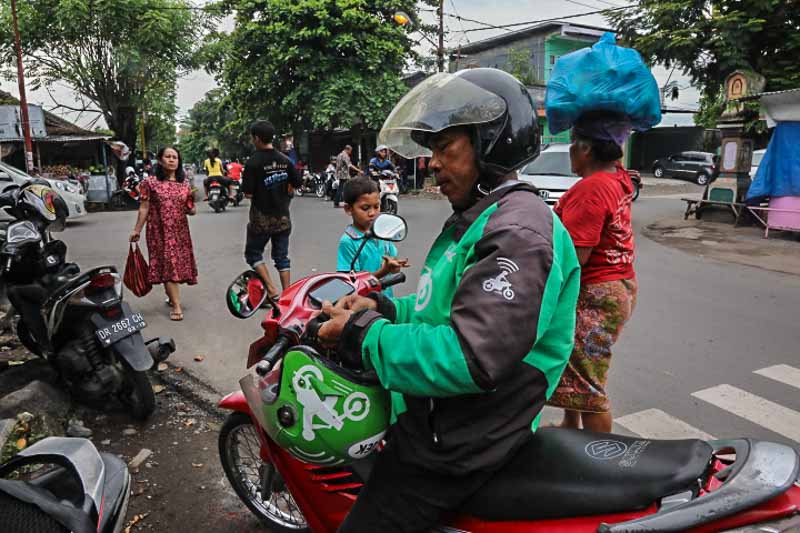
{"type": "Point", "coordinates": [597, 213]}
{"type": "Point", "coordinates": [169, 243]}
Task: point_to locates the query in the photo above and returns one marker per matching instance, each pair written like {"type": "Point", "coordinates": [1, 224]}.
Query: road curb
{"type": "Point", "coordinates": [200, 393]}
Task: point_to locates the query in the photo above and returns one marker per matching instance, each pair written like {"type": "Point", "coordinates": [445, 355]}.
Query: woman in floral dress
{"type": "Point", "coordinates": [166, 199]}
{"type": "Point", "coordinates": [597, 213]}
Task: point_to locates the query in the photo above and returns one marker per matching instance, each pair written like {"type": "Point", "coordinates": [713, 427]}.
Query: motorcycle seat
{"type": "Point", "coordinates": [563, 473]}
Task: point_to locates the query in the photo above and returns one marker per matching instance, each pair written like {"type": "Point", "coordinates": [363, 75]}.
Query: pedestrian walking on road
{"type": "Point", "coordinates": [343, 167]}
{"type": "Point", "coordinates": [597, 213]}
{"type": "Point", "coordinates": [266, 179]}
{"type": "Point", "coordinates": [165, 201]}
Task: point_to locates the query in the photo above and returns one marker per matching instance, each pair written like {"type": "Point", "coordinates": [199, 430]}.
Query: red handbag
{"type": "Point", "coordinates": [136, 270]}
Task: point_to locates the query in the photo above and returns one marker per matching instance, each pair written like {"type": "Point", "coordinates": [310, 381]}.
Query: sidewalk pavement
{"type": "Point", "coordinates": [723, 241]}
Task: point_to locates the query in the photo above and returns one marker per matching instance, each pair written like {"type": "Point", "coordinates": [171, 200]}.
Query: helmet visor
{"type": "Point", "coordinates": [440, 102]}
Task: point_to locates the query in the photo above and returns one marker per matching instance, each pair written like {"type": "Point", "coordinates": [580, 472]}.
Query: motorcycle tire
{"type": "Point", "coordinates": [216, 208]}
{"type": "Point", "coordinates": [391, 208]}
{"type": "Point", "coordinates": [299, 191]}
{"type": "Point", "coordinates": [25, 337]}
{"type": "Point", "coordinates": [320, 190]}
{"type": "Point", "coordinates": [137, 394]}
{"type": "Point", "coordinates": [272, 512]}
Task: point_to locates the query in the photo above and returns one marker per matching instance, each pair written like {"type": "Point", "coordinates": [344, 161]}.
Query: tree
{"type": "Point", "coordinates": [520, 65]}
{"type": "Point", "coordinates": [211, 124]}
{"type": "Point", "coordinates": [117, 55]}
{"type": "Point", "coordinates": [314, 63]}
{"type": "Point", "coordinates": [709, 39]}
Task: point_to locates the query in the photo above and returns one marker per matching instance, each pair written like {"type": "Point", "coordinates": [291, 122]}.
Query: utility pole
{"type": "Point", "coordinates": [144, 146]}
{"type": "Point", "coordinates": [440, 50]}
{"type": "Point", "coordinates": [23, 100]}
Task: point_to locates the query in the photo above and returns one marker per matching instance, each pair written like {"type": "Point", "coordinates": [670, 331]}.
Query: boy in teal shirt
{"type": "Point", "coordinates": [362, 202]}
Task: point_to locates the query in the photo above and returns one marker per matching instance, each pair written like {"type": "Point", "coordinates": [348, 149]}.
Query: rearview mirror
{"type": "Point", "coordinates": [246, 294]}
{"type": "Point", "coordinates": [389, 228]}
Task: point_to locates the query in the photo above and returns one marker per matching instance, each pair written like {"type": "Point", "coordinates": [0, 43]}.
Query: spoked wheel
{"type": "Point", "coordinates": [258, 484]}
{"type": "Point", "coordinates": [320, 190]}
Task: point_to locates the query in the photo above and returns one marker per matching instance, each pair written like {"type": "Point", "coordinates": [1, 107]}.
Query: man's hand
{"type": "Point", "coordinates": [392, 265]}
{"type": "Point", "coordinates": [355, 303]}
{"type": "Point", "coordinates": [331, 330]}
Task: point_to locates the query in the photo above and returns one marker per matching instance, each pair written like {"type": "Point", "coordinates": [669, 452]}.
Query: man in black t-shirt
{"type": "Point", "coordinates": [265, 180]}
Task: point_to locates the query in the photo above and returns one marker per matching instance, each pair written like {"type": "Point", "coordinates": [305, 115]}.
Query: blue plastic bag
{"type": "Point", "coordinates": [779, 171]}
{"type": "Point", "coordinates": [605, 77]}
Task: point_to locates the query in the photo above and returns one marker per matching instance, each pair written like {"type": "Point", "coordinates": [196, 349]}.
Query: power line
{"type": "Point", "coordinates": [554, 19]}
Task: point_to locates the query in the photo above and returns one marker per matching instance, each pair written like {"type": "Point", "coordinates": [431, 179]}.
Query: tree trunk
{"type": "Point", "coordinates": [124, 125]}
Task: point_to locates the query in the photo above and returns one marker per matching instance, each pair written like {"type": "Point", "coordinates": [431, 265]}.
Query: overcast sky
{"type": "Point", "coordinates": [497, 12]}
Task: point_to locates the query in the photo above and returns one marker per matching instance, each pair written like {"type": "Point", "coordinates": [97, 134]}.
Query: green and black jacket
{"type": "Point", "coordinates": [482, 344]}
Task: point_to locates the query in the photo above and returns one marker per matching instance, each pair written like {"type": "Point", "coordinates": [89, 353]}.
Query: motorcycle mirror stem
{"type": "Point", "coordinates": [367, 237]}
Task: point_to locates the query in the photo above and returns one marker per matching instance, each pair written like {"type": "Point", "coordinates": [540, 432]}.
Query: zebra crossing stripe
{"type": "Point", "coordinates": [756, 409]}
{"type": "Point", "coordinates": [656, 424]}
{"type": "Point", "coordinates": [786, 374]}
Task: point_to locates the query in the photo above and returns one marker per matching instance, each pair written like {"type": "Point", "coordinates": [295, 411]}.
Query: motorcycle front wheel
{"type": "Point", "coordinates": [248, 475]}
{"type": "Point", "coordinates": [391, 207]}
{"type": "Point", "coordinates": [320, 190]}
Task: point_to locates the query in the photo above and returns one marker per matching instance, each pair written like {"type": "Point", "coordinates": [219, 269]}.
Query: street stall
{"type": "Point", "coordinates": [777, 180]}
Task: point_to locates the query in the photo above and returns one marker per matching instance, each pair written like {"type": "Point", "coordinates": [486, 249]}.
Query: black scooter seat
{"type": "Point", "coordinates": [563, 473]}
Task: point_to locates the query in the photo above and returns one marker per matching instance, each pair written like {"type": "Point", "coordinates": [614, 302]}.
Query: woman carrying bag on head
{"type": "Point", "coordinates": [601, 94]}
{"type": "Point", "coordinates": [166, 200]}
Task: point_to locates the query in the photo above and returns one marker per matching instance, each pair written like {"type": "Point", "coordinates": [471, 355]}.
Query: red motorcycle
{"type": "Point", "coordinates": [563, 481]}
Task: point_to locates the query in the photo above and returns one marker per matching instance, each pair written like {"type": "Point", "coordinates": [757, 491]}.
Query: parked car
{"type": "Point", "coordinates": [693, 166]}
{"type": "Point", "coordinates": [551, 173]}
{"type": "Point", "coordinates": [758, 155]}
{"type": "Point", "coordinates": [71, 193]}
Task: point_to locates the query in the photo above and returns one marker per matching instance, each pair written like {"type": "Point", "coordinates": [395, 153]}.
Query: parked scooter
{"type": "Point", "coordinates": [217, 196]}
{"type": "Point", "coordinates": [60, 485]}
{"type": "Point", "coordinates": [561, 480]}
{"type": "Point", "coordinates": [331, 184]}
{"type": "Point", "coordinates": [77, 321]}
{"type": "Point", "coordinates": [313, 183]}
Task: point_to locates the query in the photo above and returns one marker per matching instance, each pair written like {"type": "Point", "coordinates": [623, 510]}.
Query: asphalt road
{"type": "Point", "coordinates": [685, 364]}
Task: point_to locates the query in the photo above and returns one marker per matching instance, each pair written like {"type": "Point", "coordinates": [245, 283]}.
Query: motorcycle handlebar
{"type": "Point", "coordinates": [268, 361]}
{"type": "Point", "coordinates": [392, 279]}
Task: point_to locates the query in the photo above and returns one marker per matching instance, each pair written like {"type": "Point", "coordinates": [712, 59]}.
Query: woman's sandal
{"type": "Point", "coordinates": [176, 316]}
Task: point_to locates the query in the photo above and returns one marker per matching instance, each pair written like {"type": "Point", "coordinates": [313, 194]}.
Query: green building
{"type": "Point", "coordinates": [544, 42]}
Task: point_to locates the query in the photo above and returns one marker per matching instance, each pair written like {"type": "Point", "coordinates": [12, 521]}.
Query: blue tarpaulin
{"type": "Point", "coordinates": [779, 171]}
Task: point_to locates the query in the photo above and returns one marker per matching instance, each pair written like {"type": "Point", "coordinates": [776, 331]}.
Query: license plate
{"type": "Point", "coordinates": [124, 327]}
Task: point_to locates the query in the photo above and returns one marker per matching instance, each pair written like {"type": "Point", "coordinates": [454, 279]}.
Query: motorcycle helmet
{"type": "Point", "coordinates": [494, 104]}
{"type": "Point", "coordinates": [380, 148]}
{"type": "Point", "coordinates": [320, 412]}
{"type": "Point", "coordinates": [43, 204]}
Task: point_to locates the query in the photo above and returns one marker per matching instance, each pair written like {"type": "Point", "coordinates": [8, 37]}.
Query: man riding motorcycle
{"type": "Point", "coordinates": [482, 344]}
{"type": "Point", "coordinates": [381, 160]}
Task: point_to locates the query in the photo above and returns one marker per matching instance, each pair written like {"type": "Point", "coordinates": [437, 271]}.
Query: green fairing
{"type": "Point", "coordinates": [335, 420]}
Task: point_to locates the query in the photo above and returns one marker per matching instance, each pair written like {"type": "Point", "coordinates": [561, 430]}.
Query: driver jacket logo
{"type": "Point", "coordinates": [320, 412]}
{"type": "Point", "coordinates": [424, 289]}
{"type": "Point", "coordinates": [603, 450]}
{"type": "Point", "coordinates": [500, 283]}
